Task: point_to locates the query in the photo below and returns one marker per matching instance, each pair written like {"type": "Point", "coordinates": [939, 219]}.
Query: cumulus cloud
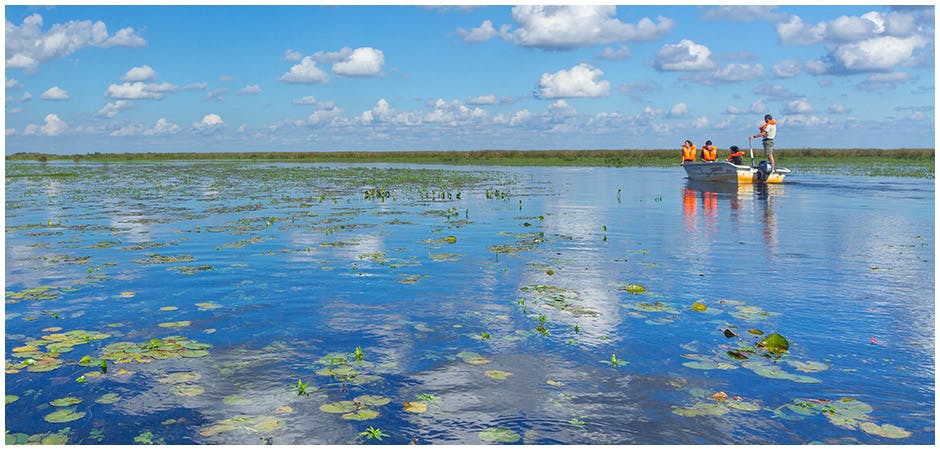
{"type": "Point", "coordinates": [139, 90]}
{"type": "Point", "coordinates": [482, 100]}
{"type": "Point", "coordinates": [209, 123]}
{"type": "Point", "coordinates": [250, 90]}
{"type": "Point", "coordinates": [453, 113]}
{"type": "Point", "coordinates": [382, 112]}
{"type": "Point", "coordinates": [568, 27]}
{"type": "Point", "coordinates": [323, 112]}
{"type": "Point", "coordinates": [583, 80]}
{"type": "Point", "coordinates": [679, 110]}
{"type": "Point", "coordinates": [798, 106]}
{"type": "Point", "coordinates": [55, 93]}
{"type": "Point", "coordinates": [872, 42]}
{"type": "Point", "coordinates": [23, 98]}
{"type": "Point", "coordinates": [291, 55]}
{"type": "Point", "coordinates": [305, 72]}
{"type": "Point", "coordinates": [216, 95]}
{"type": "Point", "coordinates": [837, 108]}
{"type": "Point", "coordinates": [483, 33]}
{"type": "Point", "coordinates": [732, 73]}
{"type": "Point", "coordinates": [111, 109]}
{"type": "Point", "coordinates": [684, 56]}
{"type": "Point", "coordinates": [308, 100]}
{"type": "Point", "coordinates": [787, 68]}
{"type": "Point", "coordinates": [27, 45]}
{"type": "Point", "coordinates": [362, 62]}
{"type": "Point", "coordinates": [142, 73]}
{"type": "Point", "coordinates": [53, 126]}
{"type": "Point", "coordinates": [744, 13]}
{"type": "Point", "coordinates": [612, 54]}
{"type": "Point", "coordinates": [883, 81]}
{"type": "Point", "coordinates": [13, 83]}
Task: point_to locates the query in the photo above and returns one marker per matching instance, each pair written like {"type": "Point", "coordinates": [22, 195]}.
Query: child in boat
{"type": "Point", "coordinates": [737, 156]}
{"type": "Point", "coordinates": [709, 152]}
{"type": "Point", "coordinates": [688, 151]}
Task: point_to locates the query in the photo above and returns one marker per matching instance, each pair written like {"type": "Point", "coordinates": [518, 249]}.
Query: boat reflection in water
{"type": "Point", "coordinates": [740, 198]}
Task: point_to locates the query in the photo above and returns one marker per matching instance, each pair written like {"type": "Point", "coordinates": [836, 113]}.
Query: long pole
{"type": "Point", "coordinates": [749, 147]}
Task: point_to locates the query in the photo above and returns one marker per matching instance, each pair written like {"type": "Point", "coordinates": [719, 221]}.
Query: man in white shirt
{"type": "Point", "coordinates": [768, 131]}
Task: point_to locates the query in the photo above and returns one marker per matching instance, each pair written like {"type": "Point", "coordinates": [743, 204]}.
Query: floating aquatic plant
{"type": "Point", "coordinates": [845, 413]}
{"type": "Point", "coordinates": [499, 435]}
{"type": "Point", "coordinates": [64, 415]}
{"type": "Point", "coordinates": [301, 388]}
{"type": "Point", "coordinates": [497, 374]}
{"type": "Point", "coordinates": [108, 398]}
{"type": "Point", "coordinates": [373, 433]}
{"type": "Point", "coordinates": [66, 401]}
{"type": "Point", "coordinates": [416, 407]}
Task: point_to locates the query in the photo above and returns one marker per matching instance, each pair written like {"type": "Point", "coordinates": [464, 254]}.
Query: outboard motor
{"type": "Point", "coordinates": [764, 170]}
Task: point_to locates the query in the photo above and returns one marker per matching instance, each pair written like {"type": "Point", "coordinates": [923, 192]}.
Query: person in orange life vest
{"type": "Point", "coordinates": [737, 156]}
{"type": "Point", "coordinates": [709, 152]}
{"type": "Point", "coordinates": [688, 151]}
{"type": "Point", "coordinates": [768, 131]}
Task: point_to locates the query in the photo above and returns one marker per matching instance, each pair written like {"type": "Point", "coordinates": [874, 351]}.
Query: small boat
{"type": "Point", "coordinates": [730, 173]}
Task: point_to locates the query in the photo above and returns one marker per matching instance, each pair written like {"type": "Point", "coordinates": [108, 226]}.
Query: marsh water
{"type": "Point", "coordinates": [252, 303]}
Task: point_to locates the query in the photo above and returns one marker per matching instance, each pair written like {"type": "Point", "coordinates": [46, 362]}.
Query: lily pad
{"type": "Point", "coordinates": [66, 401]}
{"type": "Point", "coordinates": [372, 400]}
{"type": "Point", "coordinates": [207, 306]}
{"type": "Point", "coordinates": [180, 377]}
{"type": "Point", "coordinates": [697, 306]}
{"type": "Point", "coordinates": [416, 407]}
{"type": "Point", "coordinates": [194, 353]}
{"type": "Point", "coordinates": [10, 399]}
{"type": "Point", "coordinates": [234, 399]}
{"type": "Point", "coordinates": [497, 374]}
{"type": "Point", "coordinates": [500, 435]}
{"type": "Point", "coordinates": [64, 415]}
{"type": "Point", "coordinates": [774, 343]}
{"type": "Point", "coordinates": [887, 431]}
{"type": "Point", "coordinates": [362, 414]}
{"type": "Point", "coordinates": [634, 288]}
{"type": "Point", "coordinates": [808, 366]}
{"type": "Point", "coordinates": [177, 324]}
{"type": "Point", "coordinates": [187, 390]}
{"type": "Point", "coordinates": [340, 407]}
{"type": "Point", "coordinates": [108, 398]}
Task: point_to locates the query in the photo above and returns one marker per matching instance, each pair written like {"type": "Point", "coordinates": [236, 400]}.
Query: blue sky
{"type": "Point", "coordinates": [82, 79]}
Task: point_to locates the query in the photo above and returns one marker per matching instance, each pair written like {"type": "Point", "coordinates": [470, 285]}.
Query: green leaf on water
{"type": "Point", "coordinates": [362, 414]}
{"type": "Point", "coordinates": [64, 415]}
{"type": "Point", "coordinates": [108, 398]}
{"type": "Point", "coordinates": [66, 401]}
{"type": "Point", "coordinates": [10, 399]}
{"type": "Point", "coordinates": [194, 353]}
{"type": "Point", "coordinates": [177, 324]}
{"type": "Point", "coordinates": [774, 343]}
{"type": "Point", "coordinates": [887, 431]}
{"type": "Point", "coordinates": [340, 407]}
{"type": "Point", "coordinates": [187, 390]}
{"type": "Point", "coordinates": [696, 306]}
{"type": "Point", "coordinates": [372, 400]}
{"type": "Point", "coordinates": [497, 374]}
{"type": "Point", "coordinates": [634, 288]}
{"type": "Point", "coordinates": [755, 331]}
{"type": "Point", "coordinates": [500, 435]}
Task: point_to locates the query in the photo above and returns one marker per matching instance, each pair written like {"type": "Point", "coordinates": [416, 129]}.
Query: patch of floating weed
{"type": "Point", "coordinates": [60, 437]}
{"type": "Point", "coordinates": [156, 348]}
{"type": "Point", "coordinates": [66, 401]}
{"type": "Point", "coordinates": [653, 307]}
{"type": "Point", "coordinates": [717, 404]}
{"type": "Point", "coordinates": [500, 435]}
{"type": "Point", "coordinates": [33, 359]}
{"type": "Point", "coordinates": [528, 243]}
{"type": "Point", "coordinates": [207, 306]}
{"type": "Point", "coordinates": [108, 398]}
{"type": "Point", "coordinates": [36, 293]}
{"type": "Point", "coordinates": [163, 259]}
{"type": "Point", "coordinates": [64, 415]}
{"type": "Point", "coordinates": [497, 374]}
{"type": "Point", "coordinates": [177, 324]}
{"type": "Point", "coordinates": [472, 358]}
{"type": "Point", "coordinates": [846, 413]}
{"type": "Point", "coordinates": [358, 408]}
{"type": "Point", "coordinates": [251, 424]}
{"type": "Point", "coordinates": [560, 298]}
{"type": "Point", "coordinates": [190, 270]}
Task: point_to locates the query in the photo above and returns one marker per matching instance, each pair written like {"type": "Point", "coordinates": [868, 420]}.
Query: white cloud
{"type": "Point", "coordinates": [209, 122]}
{"type": "Point", "coordinates": [798, 106]}
{"type": "Point", "coordinates": [679, 110]}
{"type": "Point", "coordinates": [837, 108]}
{"type": "Point", "coordinates": [684, 56]}
{"type": "Point", "coordinates": [325, 111]}
{"type": "Point", "coordinates": [112, 109]}
{"type": "Point", "coordinates": [308, 100]}
{"type": "Point", "coordinates": [520, 117]}
{"type": "Point", "coordinates": [700, 122]}
{"type": "Point", "coordinates": [744, 13]}
{"type": "Point", "coordinates": [582, 80]}
{"type": "Point", "coordinates": [55, 93]}
{"type": "Point", "coordinates": [27, 45]}
{"type": "Point", "coordinates": [250, 89]}
{"type": "Point", "coordinates": [482, 33]}
{"type": "Point", "coordinates": [362, 62]}
{"type": "Point", "coordinates": [53, 127]}
{"type": "Point", "coordinates": [883, 81]}
{"type": "Point", "coordinates": [617, 54]}
{"type": "Point", "coordinates": [482, 100]}
{"type": "Point", "coordinates": [453, 113]}
{"type": "Point", "coordinates": [23, 98]}
{"type": "Point", "coordinates": [568, 27]}
{"type": "Point", "coordinates": [382, 112]}
{"type": "Point", "coordinates": [736, 73]}
{"type": "Point", "coordinates": [13, 83]}
{"type": "Point", "coordinates": [139, 90]}
{"type": "Point", "coordinates": [163, 127]}
{"type": "Point", "coordinates": [872, 42]}
{"type": "Point", "coordinates": [216, 95]}
{"type": "Point", "coordinates": [10, 131]}
{"type": "Point", "coordinates": [291, 55]}
{"type": "Point", "coordinates": [142, 73]}
{"type": "Point", "coordinates": [787, 68]}
{"type": "Point", "coordinates": [305, 72]}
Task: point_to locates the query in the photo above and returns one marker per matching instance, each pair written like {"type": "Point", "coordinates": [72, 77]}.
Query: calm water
{"type": "Point", "coordinates": [499, 311]}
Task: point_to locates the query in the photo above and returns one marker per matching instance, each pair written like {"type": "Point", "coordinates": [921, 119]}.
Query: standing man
{"type": "Point", "coordinates": [768, 131]}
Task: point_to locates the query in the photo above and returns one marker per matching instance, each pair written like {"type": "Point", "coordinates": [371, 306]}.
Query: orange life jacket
{"type": "Point", "coordinates": [709, 153]}
{"type": "Point", "coordinates": [769, 122]}
{"type": "Point", "coordinates": [737, 154]}
{"type": "Point", "coordinates": [688, 153]}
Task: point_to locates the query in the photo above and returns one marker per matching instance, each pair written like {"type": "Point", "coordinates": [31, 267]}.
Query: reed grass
{"type": "Point", "coordinates": [909, 162]}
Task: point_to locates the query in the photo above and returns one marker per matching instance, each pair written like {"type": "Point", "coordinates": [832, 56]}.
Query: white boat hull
{"type": "Point", "coordinates": [729, 173]}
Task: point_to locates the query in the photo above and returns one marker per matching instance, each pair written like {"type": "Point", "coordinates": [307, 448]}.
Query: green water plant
{"type": "Point", "coordinates": [373, 433]}
{"type": "Point", "coordinates": [500, 435]}
{"type": "Point", "coordinates": [301, 388]}
{"type": "Point", "coordinates": [358, 354]}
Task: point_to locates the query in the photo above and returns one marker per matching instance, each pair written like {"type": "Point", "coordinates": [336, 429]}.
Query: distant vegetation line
{"type": "Point", "coordinates": [607, 158]}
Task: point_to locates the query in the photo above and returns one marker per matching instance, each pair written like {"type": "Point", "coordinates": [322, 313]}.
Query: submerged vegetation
{"type": "Point", "coordinates": [917, 163]}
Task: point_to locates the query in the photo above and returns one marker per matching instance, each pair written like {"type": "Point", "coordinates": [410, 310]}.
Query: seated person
{"type": "Point", "coordinates": [688, 151]}
{"type": "Point", "coordinates": [737, 156]}
{"type": "Point", "coordinates": [709, 152]}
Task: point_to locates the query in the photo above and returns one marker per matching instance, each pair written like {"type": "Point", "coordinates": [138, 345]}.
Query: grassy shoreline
{"type": "Point", "coordinates": [889, 162]}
